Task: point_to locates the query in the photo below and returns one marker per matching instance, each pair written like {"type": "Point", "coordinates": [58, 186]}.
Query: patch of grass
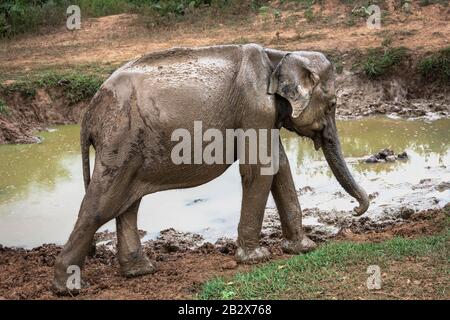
{"type": "Point", "coordinates": [379, 61]}
{"type": "Point", "coordinates": [436, 66]}
{"type": "Point", "coordinates": [306, 275]}
{"type": "Point", "coordinates": [339, 67]}
{"type": "Point", "coordinates": [309, 15]}
{"type": "Point", "coordinates": [3, 107]}
{"type": "Point", "coordinates": [77, 86]}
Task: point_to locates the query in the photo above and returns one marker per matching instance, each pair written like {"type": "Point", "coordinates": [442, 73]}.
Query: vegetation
{"type": "Point", "coordinates": [20, 16]}
{"type": "Point", "coordinates": [309, 14]}
{"type": "Point", "coordinates": [378, 61]}
{"type": "Point", "coordinates": [437, 65]}
{"type": "Point", "coordinates": [3, 107]}
{"type": "Point", "coordinates": [77, 86]}
{"type": "Point", "coordinates": [310, 275]}
{"type": "Point", "coordinates": [428, 2]}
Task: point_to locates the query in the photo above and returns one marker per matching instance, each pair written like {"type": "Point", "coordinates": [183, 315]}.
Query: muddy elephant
{"type": "Point", "coordinates": [130, 122]}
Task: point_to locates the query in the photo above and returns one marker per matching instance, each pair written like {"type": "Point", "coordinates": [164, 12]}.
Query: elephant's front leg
{"type": "Point", "coordinates": [255, 192]}
{"type": "Point", "coordinates": [285, 196]}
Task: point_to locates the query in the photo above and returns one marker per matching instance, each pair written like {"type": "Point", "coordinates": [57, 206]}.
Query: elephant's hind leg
{"type": "Point", "coordinates": [106, 198]}
{"type": "Point", "coordinates": [132, 259]}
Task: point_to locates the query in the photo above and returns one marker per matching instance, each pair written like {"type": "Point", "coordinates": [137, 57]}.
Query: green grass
{"type": "Point", "coordinates": [77, 86]}
{"type": "Point", "coordinates": [3, 108]}
{"type": "Point", "coordinates": [309, 15]}
{"type": "Point", "coordinates": [436, 66]}
{"type": "Point", "coordinates": [302, 276]}
{"type": "Point", "coordinates": [378, 61]}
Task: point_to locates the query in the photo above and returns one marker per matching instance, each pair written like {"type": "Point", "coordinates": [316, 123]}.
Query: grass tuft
{"type": "Point", "coordinates": [3, 108]}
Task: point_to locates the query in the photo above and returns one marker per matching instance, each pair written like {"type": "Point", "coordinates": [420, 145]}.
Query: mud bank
{"type": "Point", "coordinates": [184, 262]}
{"type": "Point", "coordinates": [25, 114]}
{"type": "Point", "coordinates": [402, 92]}
{"type": "Point", "coordinates": [396, 95]}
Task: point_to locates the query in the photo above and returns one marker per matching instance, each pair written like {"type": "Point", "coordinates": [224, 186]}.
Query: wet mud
{"type": "Point", "coordinates": [184, 261]}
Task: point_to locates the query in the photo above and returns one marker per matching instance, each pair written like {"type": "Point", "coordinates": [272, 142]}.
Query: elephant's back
{"type": "Point", "coordinates": [179, 67]}
{"type": "Point", "coordinates": [178, 83]}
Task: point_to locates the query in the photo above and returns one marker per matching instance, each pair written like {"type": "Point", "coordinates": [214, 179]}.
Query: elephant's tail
{"type": "Point", "coordinates": [85, 145]}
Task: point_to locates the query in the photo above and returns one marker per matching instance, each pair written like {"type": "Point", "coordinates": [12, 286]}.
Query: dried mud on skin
{"type": "Point", "coordinates": [184, 261]}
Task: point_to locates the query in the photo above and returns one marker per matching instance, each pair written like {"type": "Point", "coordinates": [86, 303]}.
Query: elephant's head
{"type": "Point", "coordinates": [306, 81]}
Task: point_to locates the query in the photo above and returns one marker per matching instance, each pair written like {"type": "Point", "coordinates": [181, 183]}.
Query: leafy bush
{"type": "Point", "coordinates": [20, 16]}
{"type": "Point", "coordinates": [437, 65]}
{"type": "Point", "coordinates": [378, 61]}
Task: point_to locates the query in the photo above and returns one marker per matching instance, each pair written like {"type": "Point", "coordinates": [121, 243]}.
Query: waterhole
{"type": "Point", "coordinates": [41, 185]}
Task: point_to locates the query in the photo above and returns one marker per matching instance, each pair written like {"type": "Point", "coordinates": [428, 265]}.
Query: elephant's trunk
{"type": "Point", "coordinates": [332, 150]}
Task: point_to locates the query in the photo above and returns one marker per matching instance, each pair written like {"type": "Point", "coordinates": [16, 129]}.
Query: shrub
{"type": "Point", "coordinates": [437, 65]}
{"type": "Point", "coordinates": [378, 61]}
{"type": "Point", "coordinates": [20, 16]}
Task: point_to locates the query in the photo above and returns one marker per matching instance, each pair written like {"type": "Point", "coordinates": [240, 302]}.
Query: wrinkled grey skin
{"type": "Point", "coordinates": [130, 121]}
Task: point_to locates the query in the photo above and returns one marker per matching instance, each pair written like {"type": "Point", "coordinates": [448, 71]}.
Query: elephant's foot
{"type": "Point", "coordinates": [298, 246]}
{"type": "Point", "coordinates": [61, 289]}
{"type": "Point", "coordinates": [251, 256]}
{"type": "Point", "coordinates": [137, 267]}
{"type": "Point", "coordinates": [65, 283]}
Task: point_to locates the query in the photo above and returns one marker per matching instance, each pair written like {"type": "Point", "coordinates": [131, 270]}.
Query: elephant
{"type": "Point", "coordinates": [129, 123]}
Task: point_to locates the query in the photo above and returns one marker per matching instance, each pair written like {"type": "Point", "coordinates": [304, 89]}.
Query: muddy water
{"type": "Point", "coordinates": [41, 185]}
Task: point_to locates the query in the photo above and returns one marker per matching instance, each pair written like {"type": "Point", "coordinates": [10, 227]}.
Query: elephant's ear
{"type": "Point", "coordinates": [273, 83]}
{"type": "Point", "coordinates": [294, 78]}
{"type": "Point", "coordinates": [274, 77]}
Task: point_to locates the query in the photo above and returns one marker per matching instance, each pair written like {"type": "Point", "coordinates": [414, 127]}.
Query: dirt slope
{"type": "Point", "coordinates": [123, 37]}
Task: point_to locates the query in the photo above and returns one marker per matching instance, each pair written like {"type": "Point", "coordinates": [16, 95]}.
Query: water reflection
{"type": "Point", "coordinates": [41, 185]}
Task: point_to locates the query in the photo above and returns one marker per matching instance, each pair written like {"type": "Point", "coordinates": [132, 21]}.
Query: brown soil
{"type": "Point", "coordinates": [419, 224]}
{"type": "Point", "coordinates": [27, 274]}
